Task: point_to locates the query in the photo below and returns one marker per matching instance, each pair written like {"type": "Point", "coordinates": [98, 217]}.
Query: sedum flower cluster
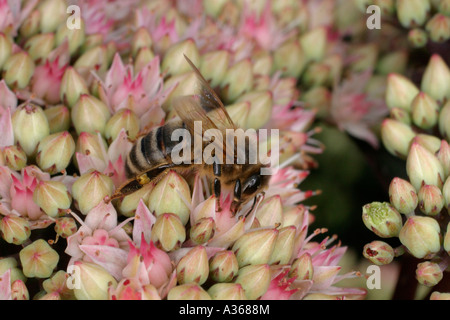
{"type": "Point", "coordinates": [75, 94]}
{"type": "Point", "coordinates": [418, 209]}
{"type": "Point", "coordinates": [425, 22]}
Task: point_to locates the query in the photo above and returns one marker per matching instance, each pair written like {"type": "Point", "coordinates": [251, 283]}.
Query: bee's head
{"type": "Point", "coordinates": [248, 188]}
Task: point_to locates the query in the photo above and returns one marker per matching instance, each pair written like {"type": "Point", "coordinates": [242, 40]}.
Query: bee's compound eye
{"type": "Point", "coordinates": [252, 184]}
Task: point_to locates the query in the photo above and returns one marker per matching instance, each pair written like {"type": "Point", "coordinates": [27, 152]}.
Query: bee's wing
{"type": "Point", "coordinates": [210, 102]}
{"type": "Point", "coordinates": [205, 106]}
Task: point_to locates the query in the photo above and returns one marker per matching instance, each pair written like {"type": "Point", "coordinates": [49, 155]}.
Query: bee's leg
{"type": "Point", "coordinates": [217, 186]}
{"type": "Point", "coordinates": [237, 197]}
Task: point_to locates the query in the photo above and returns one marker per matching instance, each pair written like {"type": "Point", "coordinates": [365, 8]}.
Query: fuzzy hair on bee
{"type": "Point", "coordinates": [151, 155]}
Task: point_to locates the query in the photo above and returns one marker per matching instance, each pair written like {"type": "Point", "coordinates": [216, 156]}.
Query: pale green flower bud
{"type": "Point", "coordinates": [91, 144]}
{"type": "Point", "coordinates": [270, 212]}
{"type": "Point", "coordinates": [446, 193]}
{"type": "Point", "coordinates": [58, 283]}
{"type": "Point", "coordinates": [314, 44]}
{"type": "Point", "coordinates": [94, 281]}
{"type": "Point", "coordinates": [93, 58]}
{"type": "Point", "coordinates": [174, 62]}
{"type": "Point", "coordinates": [227, 291]}
{"type": "Point", "coordinates": [13, 157]}
{"type": "Point", "coordinates": [65, 227]}
{"type": "Point", "coordinates": [447, 239]}
{"type": "Point", "coordinates": [402, 196]}
{"type": "Point", "coordinates": [412, 13]}
{"type": "Point", "coordinates": [290, 59]}
{"type": "Point", "coordinates": [214, 66]}
{"type": "Point", "coordinates": [238, 80]}
{"type": "Point", "coordinates": [260, 108]}
{"type": "Point", "coordinates": [316, 74]}
{"type": "Point", "coordinates": [421, 236]}
{"type": "Point", "coordinates": [424, 111]}
{"type": "Point", "coordinates": [143, 58]}
{"type": "Point", "coordinates": [202, 230]}
{"type": "Point", "coordinates": [239, 112]}
{"type": "Point", "coordinates": [91, 188]}
{"type": "Point", "coordinates": [255, 247]}
{"type": "Point", "coordinates": [262, 63]}
{"type": "Point", "coordinates": [223, 266]}
{"type": "Point", "coordinates": [284, 246]}
{"type": "Point", "coordinates": [400, 92]}
{"type": "Point", "coordinates": [214, 7]}
{"type": "Point", "coordinates": [75, 38]}
{"type": "Point", "coordinates": [55, 152]}
{"type": "Point", "coordinates": [90, 114]}
{"type": "Point", "coordinates": [169, 196]}
{"type": "Point", "coordinates": [444, 157]}
{"type": "Point", "coordinates": [319, 99]}
{"type": "Point", "coordinates": [122, 119]}
{"type": "Point", "coordinates": [30, 127]}
{"type": "Point", "coordinates": [438, 28]}
{"type": "Point", "coordinates": [193, 267]}
{"type": "Point", "coordinates": [423, 167]}
{"type": "Point", "coordinates": [168, 232]}
{"type": "Point", "coordinates": [429, 142]}
{"type": "Point", "coordinates": [141, 39]}
{"type": "Point", "coordinates": [366, 57]}
{"type": "Point", "coordinates": [92, 40]}
{"type": "Point", "coordinates": [58, 118]}
{"type": "Point", "coordinates": [18, 70]}
{"type": "Point", "coordinates": [444, 7]}
{"type": "Point", "coordinates": [128, 205]}
{"type": "Point", "coordinates": [396, 137]}
{"type": "Point", "coordinates": [302, 268]}
{"type": "Point", "coordinates": [439, 296]}
{"type": "Point", "coordinates": [52, 196]}
{"type": "Point", "coordinates": [185, 83]}
{"type": "Point", "coordinates": [436, 79]}
{"type": "Point", "coordinates": [5, 49]}
{"type": "Point", "coordinates": [293, 216]}
{"type": "Point", "coordinates": [429, 273]}
{"type": "Point", "coordinates": [38, 259]}
{"type": "Point", "coordinates": [15, 272]}
{"type": "Point", "coordinates": [254, 279]}
{"type": "Point", "coordinates": [72, 87]}
{"type": "Point", "coordinates": [400, 115]}
{"type": "Point", "coordinates": [444, 121]}
{"type": "Point", "coordinates": [418, 38]}
{"type": "Point", "coordinates": [188, 291]}
{"type": "Point", "coordinates": [40, 46]}
{"type": "Point", "coordinates": [15, 229]}
{"type": "Point", "coordinates": [379, 252]}
{"type": "Point", "coordinates": [31, 24]}
{"type": "Point", "coordinates": [19, 291]}
{"type": "Point", "coordinates": [431, 200]}
{"type": "Point", "coordinates": [53, 14]}
{"type": "Point", "coordinates": [382, 219]}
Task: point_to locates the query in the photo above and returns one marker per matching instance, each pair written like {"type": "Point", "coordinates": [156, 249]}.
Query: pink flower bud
{"type": "Point", "coordinates": [189, 291]}
{"type": "Point", "coordinates": [15, 229]}
{"type": "Point", "coordinates": [379, 252]}
{"type": "Point", "coordinates": [429, 273]}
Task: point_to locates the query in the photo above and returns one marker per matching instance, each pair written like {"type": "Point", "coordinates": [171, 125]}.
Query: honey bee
{"type": "Point", "coordinates": [150, 157]}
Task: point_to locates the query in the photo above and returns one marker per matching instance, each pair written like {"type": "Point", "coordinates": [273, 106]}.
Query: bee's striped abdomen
{"type": "Point", "coordinates": [152, 150]}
